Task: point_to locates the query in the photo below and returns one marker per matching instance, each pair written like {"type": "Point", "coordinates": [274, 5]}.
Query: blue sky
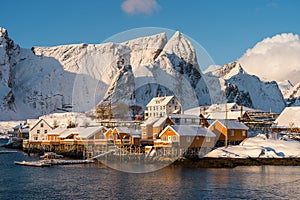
{"type": "Point", "coordinates": [225, 28]}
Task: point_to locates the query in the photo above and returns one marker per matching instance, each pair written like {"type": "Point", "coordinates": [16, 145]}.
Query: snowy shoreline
{"type": "Point", "coordinates": [259, 147]}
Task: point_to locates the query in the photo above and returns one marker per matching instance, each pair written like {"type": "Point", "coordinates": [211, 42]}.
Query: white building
{"type": "Point", "coordinates": [161, 106]}
{"type": "Point", "coordinates": [39, 130]}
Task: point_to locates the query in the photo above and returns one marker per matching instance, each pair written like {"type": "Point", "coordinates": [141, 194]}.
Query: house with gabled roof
{"type": "Point", "coordinates": [124, 136]}
{"type": "Point", "coordinates": [288, 120]}
{"type": "Point", "coordinates": [161, 106]}
{"type": "Point", "coordinates": [39, 130]}
{"type": "Point", "coordinates": [230, 115]}
{"type": "Point", "coordinates": [185, 136]}
{"type": "Point", "coordinates": [152, 127]}
{"type": "Point", "coordinates": [235, 131]}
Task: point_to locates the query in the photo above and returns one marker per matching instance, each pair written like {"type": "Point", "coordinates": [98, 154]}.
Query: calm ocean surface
{"type": "Point", "coordinates": [95, 181]}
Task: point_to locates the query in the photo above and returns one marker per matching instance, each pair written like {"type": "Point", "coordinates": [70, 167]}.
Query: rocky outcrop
{"type": "Point", "coordinates": [232, 84]}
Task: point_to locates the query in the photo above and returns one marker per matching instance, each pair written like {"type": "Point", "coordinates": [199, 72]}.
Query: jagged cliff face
{"type": "Point", "coordinates": [47, 79]}
{"type": "Point", "coordinates": [8, 59]}
{"type": "Point", "coordinates": [293, 95]}
{"type": "Point", "coordinates": [232, 84]}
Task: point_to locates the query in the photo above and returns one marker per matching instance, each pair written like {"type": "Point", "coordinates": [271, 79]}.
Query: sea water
{"type": "Point", "coordinates": [96, 181]}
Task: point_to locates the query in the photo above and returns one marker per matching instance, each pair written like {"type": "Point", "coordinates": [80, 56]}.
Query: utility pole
{"type": "Point", "coordinates": [226, 126]}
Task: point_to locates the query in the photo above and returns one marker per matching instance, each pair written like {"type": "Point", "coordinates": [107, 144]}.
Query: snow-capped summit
{"type": "Point", "coordinates": [229, 70]}
{"type": "Point", "coordinates": [285, 87]}
{"type": "Point", "coordinates": [293, 95]}
{"type": "Point", "coordinates": [231, 83]}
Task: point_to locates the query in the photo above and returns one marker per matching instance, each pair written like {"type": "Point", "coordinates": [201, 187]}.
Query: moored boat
{"type": "Point", "coordinates": [33, 163]}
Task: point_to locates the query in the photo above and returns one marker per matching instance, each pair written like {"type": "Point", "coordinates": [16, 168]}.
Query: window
{"type": "Point", "coordinates": [232, 133]}
{"type": "Point", "coordinates": [45, 131]}
{"type": "Point", "coordinates": [174, 138]}
{"type": "Point", "coordinates": [193, 121]}
{"type": "Point", "coordinates": [188, 139]}
{"type": "Point", "coordinates": [244, 133]}
{"type": "Point", "coordinates": [175, 107]}
{"type": "Point", "coordinates": [42, 125]}
{"type": "Point", "coordinates": [207, 139]}
{"type": "Point", "coordinates": [35, 138]}
{"type": "Point", "coordinates": [173, 101]}
{"type": "Point", "coordinates": [37, 131]}
{"type": "Point", "coordinates": [149, 108]}
{"type": "Point", "coordinates": [164, 138]}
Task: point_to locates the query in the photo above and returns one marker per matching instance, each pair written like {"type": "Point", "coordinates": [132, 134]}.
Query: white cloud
{"type": "Point", "coordinates": [276, 58]}
{"type": "Point", "coordinates": [139, 6]}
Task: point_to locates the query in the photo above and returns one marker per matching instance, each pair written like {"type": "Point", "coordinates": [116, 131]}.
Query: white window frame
{"type": "Point", "coordinates": [243, 133]}
{"type": "Point", "coordinates": [174, 138]}
{"type": "Point", "coordinates": [188, 139]}
{"type": "Point", "coordinates": [207, 139]}
{"type": "Point", "coordinates": [232, 133]}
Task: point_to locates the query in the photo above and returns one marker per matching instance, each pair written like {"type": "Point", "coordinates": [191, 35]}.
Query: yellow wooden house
{"type": "Point", "coordinates": [185, 136]}
{"type": "Point", "coordinates": [236, 131]}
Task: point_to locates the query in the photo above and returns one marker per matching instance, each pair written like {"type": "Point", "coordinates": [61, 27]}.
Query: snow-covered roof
{"type": "Point", "coordinates": [183, 116]}
{"type": "Point", "coordinates": [39, 121]}
{"type": "Point", "coordinates": [222, 115]}
{"type": "Point", "coordinates": [132, 132]}
{"type": "Point", "coordinates": [160, 101]}
{"type": "Point", "coordinates": [122, 129]}
{"type": "Point", "coordinates": [56, 131]}
{"type": "Point", "coordinates": [232, 124]}
{"type": "Point", "coordinates": [186, 130]}
{"type": "Point", "coordinates": [86, 132]}
{"type": "Point", "coordinates": [17, 127]}
{"type": "Point", "coordinates": [196, 111]}
{"type": "Point", "coordinates": [160, 121]}
{"type": "Point", "coordinates": [150, 121]}
{"type": "Point", "coordinates": [68, 132]}
{"type": "Point", "coordinates": [25, 130]}
{"type": "Point", "coordinates": [222, 107]}
{"type": "Point", "coordinates": [289, 118]}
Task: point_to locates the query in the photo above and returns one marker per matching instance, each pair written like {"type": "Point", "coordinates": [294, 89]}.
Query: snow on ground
{"type": "Point", "coordinates": [6, 126]}
{"type": "Point", "coordinates": [259, 147]}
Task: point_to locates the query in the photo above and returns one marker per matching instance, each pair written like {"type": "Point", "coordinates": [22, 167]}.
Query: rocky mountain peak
{"type": "Point", "coordinates": [3, 34]}
{"type": "Point", "coordinates": [229, 70]}
{"type": "Point", "coordinates": [178, 44]}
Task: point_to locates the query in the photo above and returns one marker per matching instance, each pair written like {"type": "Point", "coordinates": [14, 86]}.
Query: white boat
{"type": "Point", "coordinates": [51, 155]}
{"type": "Point", "coordinates": [33, 163]}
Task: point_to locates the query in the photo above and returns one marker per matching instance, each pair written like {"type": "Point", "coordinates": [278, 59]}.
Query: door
{"type": "Point", "coordinates": [170, 138]}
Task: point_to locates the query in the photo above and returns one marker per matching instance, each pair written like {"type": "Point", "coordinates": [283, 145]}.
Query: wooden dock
{"type": "Point", "coordinates": [52, 162]}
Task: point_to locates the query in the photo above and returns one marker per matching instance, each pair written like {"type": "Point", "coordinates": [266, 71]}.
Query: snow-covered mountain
{"type": "Point", "coordinates": [285, 88]}
{"type": "Point", "coordinates": [43, 80]}
{"type": "Point", "coordinates": [293, 95]}
{"type": "Point", "coordinates": [232, 84]}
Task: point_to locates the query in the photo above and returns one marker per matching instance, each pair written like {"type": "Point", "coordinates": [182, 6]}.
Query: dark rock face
{"type": "Point", "coordinates": [240, 97]}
